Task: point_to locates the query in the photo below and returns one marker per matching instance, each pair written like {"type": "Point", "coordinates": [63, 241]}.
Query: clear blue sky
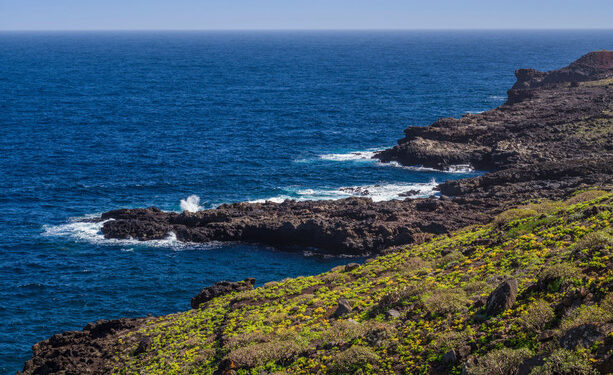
{"type": "Point", "coordinates": [303, 14]}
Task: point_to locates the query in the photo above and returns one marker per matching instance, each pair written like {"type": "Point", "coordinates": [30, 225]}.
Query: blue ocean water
{"type": "Point", "coordinates": [94, 121]}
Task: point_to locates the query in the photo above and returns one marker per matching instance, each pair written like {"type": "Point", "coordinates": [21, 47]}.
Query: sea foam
{"type": "Point", "coordinates": [191, 204]}
{"type": "Point", "coordinates": [376, 192]}
{"type": "Point", "coordinates": [83, 230]}
{"type": "Point", "coordinates": [351, 156]}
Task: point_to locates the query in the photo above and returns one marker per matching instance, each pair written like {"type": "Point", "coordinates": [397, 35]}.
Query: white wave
{"type": "Point", "coordinates": [191, 204]}
{"type": "Point", "coordinates": [90, 232]}
{"type": "Point", "coordinates": [349, 156]}
{"type": "Point", "coordinates": [377, 192]}
{"type": "Point", "coordinates": [474, 112]}
{"type": "Point", "coordinates": [459, 168]}
{"type": "Point", "coordinates": [498, 97]}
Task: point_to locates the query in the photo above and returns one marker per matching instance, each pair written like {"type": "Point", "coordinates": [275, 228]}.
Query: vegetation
{"type": "Point", "coordinates": [415, 311]}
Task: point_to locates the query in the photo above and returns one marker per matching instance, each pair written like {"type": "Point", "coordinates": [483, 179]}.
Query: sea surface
{"type": "Point", "coordinates": [93, 121]}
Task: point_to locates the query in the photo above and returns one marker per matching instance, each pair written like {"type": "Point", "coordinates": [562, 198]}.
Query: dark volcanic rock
{"type": "Point", "coordinates": [545, 119]}
{"type": "Point", "coordinates": [80, 352]}
{"type": "Point", "coordinates": [219, 289]}
{"type": "Point", "coordinates": [585, 335]}
{"type": "Point", "coordinates": [346, 226]}
{"type": "Point", "coordinates": [502, 298]}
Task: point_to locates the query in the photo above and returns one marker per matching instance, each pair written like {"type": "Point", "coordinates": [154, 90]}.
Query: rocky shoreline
{"type": "Point", "coordinates": [552, 137]}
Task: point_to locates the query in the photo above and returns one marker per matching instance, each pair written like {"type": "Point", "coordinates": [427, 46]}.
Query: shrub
{"type": "Point", "coordinates": [537, 316]}
{"type": "Point", "coordinates": [555, 276]}
{"type": "Point", "coordinates": [607, 303]}
{"type": "Point", "coordinates": [449, 340]}
{"type": "Point", "coordinates": [500, 362]}
{"type": "Point", "coordinates": [340, 333]}
{"type": "Point", "coordinates": [564, 362]}
{"type": "Point", "coordinates": [585, 196]}
{"type": "Point", "coordinates": [379, 334]}
{"type": "Point", "coordinates": [593, 241]}
{"type": "Point", "coordinates": [399, 297]}
{"type": "Point", "coordinates": [513, 214]}
{"type": "Point", "coordinates": [584, 315]}
{"type": "Point", "coordinates": [262, 353]}
{"type": "Point", "coordinates": [352, 360]}
{"type": "Point", "coordinates": [446, 301]}
{"type": "Point", "coordinates": [450, 259]}
{"type": "Point", "coordinates": [544, 207]}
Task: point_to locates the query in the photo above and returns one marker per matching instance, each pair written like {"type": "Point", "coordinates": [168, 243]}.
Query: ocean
{"type": "Point", "coordinates": [93, 121]}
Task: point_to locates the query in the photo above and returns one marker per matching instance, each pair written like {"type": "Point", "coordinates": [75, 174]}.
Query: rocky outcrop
{"type": "Point", "coordinates": [346, 226]}
{"type": "Point", "coordinates": [89, 351]}
{"type": "Point", "coordinates": [549, 116]}
{"type": "Point", "coordinates": [219, 289]}
{"type": "Point", "coordinates": [502, 298]}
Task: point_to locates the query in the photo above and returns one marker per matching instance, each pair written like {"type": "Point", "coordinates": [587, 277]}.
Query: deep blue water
{"type": "Point", "coordinates": [95, 121]}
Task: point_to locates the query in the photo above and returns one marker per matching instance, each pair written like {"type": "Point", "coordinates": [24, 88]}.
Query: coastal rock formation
{"type": "Point", "coordinates": [502, 298]}
{"type": "Point", "coordinates": [346, 226]}
{"type": "Point", "coordinates": [549, 116]}
{"type": "Point", "coordinates": [219, 289]}
{"type": "Point", "coordinates": [554, 135]}
{"type": "Point", "coordinates": [89, 351]}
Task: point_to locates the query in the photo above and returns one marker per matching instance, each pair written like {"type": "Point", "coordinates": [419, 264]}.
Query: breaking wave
{"type": "Point", "coordinates": [376, 192]}
{"type": "Point", "coordinates": [351, 156]}
{"type": "Point", "coordinates": [82, 229]}
{"type": "Point", "coordinates": [191, 204]}
{"type": "Point", "coordinates": [368, 156]}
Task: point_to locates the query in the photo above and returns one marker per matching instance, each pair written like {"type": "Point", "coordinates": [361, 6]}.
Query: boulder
{"type": "Point", "coordinates": [502, 298]}
{"type": "Point", "coordinates": [343, 308]}
{"type": "Point", "coordinates": [585, 335]}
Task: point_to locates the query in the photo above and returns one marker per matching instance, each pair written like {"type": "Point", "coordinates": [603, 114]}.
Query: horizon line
{"type": "Point", "coordinates": [306, 29]}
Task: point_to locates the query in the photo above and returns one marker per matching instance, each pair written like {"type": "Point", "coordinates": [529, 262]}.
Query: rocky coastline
{"type": "Point", "coordinates": [552, 137]}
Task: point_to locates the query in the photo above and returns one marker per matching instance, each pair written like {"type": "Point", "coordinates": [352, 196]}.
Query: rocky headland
{"type": "Point", "coordinates": [552, 136]}
{"type": "Point", "coordinates": [525, 286]}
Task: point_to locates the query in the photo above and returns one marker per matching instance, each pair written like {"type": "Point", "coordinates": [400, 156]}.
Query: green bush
{"type": "Point", "coordinates": [565, 362]}
{"type": "Point", "coordinates": [446, 301]}
{"type": "Point", "coordinates": [340, 332]}
{"type": "Point", "coordinates": [355, 359]}
{"type": "Point", "coordinates": [399, 297]}
{"type": "Point", "coordinates": [585, 196]}
{"type": "Point", "coordinates": [556, 276]}
{"type": "Point", "coordinates": [513, 214]}
{"type": "Point", "coordinates": [594, 241]}
{"type": "Point", "coordinates": [500, 362]}
{"type": "Point", "coordinates": [450, 260]}
{"type": "Point", "coordinates": [262, 353]}
{"type": "Point", "coordinates": [537, 316]}
{"type": "Point", "coordinates": [584, 315]}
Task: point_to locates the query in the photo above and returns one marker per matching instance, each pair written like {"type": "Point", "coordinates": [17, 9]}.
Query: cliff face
{"type": "Point", "coordinates": [549, 116]}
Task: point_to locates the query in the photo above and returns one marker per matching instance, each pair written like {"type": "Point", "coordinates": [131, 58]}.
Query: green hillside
{"type": "Point", "coordinates": [418, 310]}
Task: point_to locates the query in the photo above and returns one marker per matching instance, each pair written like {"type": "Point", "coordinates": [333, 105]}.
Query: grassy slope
{"type": "Point", "coordinates": [555, 249]}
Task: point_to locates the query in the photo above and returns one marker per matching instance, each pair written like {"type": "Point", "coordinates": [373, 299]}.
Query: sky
{"type": "Point", "coordinates": [303, 14]}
